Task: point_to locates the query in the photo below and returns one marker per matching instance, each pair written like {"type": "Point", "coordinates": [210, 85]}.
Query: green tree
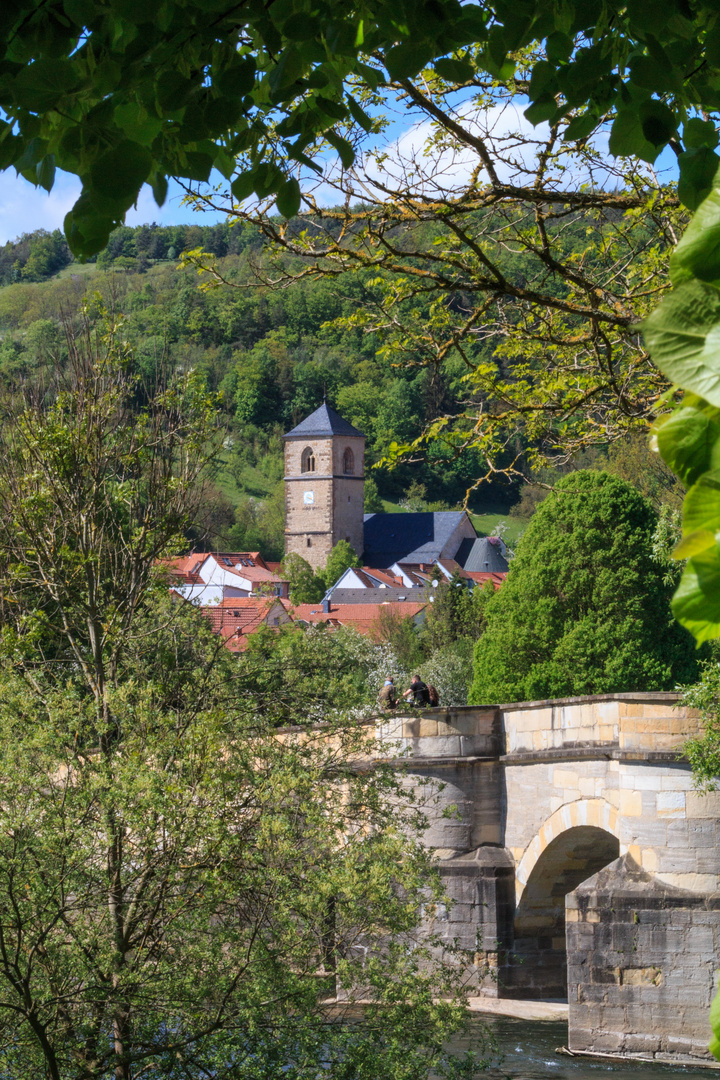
{"type": "Point", "coordinates": [456, 613]}
{"type": "Point", "coordinates": [585, 608]}
{"type": "Point", "coordinates": [340, 559]}
{"type": "Point", "coordinates": [306, 587]}
{"type": "Point", "coordinates": [180, 884]}
{"type": "Point", "coordinates": [372, 502]}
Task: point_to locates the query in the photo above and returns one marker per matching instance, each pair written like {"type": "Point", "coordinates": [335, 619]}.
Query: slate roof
{"type": "Point", "coordinates": [377, 596]}
{"type": "Point", "coordinates": [412, 538]}
{"type": "Point", "coordinates": [321, 424]}
{"type": "Point", "coordinates": [484, 555]}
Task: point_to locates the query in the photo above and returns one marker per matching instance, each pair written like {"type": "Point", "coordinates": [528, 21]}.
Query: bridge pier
{"type": "Point", "coordinates": [579, 860]}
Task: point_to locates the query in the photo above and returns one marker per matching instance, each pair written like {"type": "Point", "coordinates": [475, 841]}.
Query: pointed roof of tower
{"type": "Point", "coordinates": [323, 423]}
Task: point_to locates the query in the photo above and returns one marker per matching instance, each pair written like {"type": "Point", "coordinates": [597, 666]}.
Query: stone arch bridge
{"type": "Point", "coordinates": [581, 861]}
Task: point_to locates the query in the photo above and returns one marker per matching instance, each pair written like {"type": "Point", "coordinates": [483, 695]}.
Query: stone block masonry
{"type": "Point", "coordinates": [578, 860]}
{"type": "Point", "coordinates": [325, 505]}
{"type": "Point", "coordinates": [642, 961]}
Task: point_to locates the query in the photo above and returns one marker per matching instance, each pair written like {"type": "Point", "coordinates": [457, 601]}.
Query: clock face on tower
{"type": "Point", "coordinates": [309, 498]}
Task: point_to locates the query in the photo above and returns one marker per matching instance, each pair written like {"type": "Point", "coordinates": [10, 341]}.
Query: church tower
{"type": "Point", "coordinates": [324, 486]}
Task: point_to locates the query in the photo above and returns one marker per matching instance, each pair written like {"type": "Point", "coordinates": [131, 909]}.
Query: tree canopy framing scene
{"type": "Point", "coordinates": [489, 233]}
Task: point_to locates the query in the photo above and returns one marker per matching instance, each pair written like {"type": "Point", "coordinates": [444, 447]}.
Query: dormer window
{"type": "Point", "coordinates": [348, 461]}
{"type": "Point", "coordinates": [307, 461]}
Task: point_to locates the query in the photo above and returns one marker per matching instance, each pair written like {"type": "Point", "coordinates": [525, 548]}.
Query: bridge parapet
{"type": "Point", "coordinates": [445, 733]}
{"type": "Point", "coordinates": [635, 722]}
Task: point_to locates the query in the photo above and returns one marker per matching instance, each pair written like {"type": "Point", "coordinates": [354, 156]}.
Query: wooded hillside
{"type": "Point", "coordinates": [272, 354]}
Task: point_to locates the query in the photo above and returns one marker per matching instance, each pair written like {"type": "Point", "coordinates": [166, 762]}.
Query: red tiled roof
{"type": "Point", "coordinates": [362, 617]}
{"type": "Point", "coordinates": [185, 567]}
{"type": "Point", "coordinates": [254, 573]}
{"type": "Point", "coordinates": [235, 619]}
{"type": "Point", "coordinates": [383, 576]}
{"type": "Point", "coordinates": [480, 577]}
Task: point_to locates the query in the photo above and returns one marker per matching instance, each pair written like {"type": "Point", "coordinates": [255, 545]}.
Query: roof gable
{"type": "Point", "coordinates": [484, 555]}
{"type": "Point", "coordinates": [323, 423]}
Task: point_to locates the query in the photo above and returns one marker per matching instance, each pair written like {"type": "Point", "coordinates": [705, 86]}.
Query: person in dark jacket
{"type": "Point", "coordinates": [418, 691]}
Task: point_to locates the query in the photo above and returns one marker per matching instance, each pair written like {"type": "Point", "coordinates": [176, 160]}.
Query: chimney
{"type": "Point", "coordinates": [326, 605]}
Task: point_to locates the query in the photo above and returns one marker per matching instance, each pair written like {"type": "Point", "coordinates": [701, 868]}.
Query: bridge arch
{"type": "Point", "coordinates": [582, 812]}
{"type": "Point", "coordinates": [576, 842]}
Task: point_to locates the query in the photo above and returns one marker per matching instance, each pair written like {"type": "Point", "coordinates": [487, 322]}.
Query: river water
{"type": "Point", "coordinates": [528, 1052]}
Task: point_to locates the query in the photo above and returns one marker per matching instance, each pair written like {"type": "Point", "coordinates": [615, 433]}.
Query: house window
{"type": "Point", "coordinates": [307, 460]}
{"type": "Point", "coordinates": [348, 461]}
{"type": "Point", "coordinates": [308, 542]}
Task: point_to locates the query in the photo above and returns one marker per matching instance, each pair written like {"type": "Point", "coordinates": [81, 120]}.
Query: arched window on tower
{"type": "Point", "coordinates": [348, 461]}
{"type": "Point", "coordinates": [307, 461]}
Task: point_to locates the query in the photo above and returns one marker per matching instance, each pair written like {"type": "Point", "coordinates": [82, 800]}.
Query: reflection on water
{"type": "Point", "coordinates": [528, 1049]}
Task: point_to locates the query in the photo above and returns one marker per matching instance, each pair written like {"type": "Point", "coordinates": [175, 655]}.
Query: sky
{"type": "Point", "coordinates": [24, 208]}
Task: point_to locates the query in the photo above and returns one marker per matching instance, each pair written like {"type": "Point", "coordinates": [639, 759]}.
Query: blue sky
{"type": "Point", "coordinates": [24, 208]}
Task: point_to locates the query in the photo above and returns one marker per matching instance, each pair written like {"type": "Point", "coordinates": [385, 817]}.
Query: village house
{"type": "Point", "coordinates": [405, 555]}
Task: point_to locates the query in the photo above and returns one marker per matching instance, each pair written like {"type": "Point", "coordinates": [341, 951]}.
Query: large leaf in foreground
{"type": "Point", "coordinates": [697, 601]}
{"type": "Point", "coordinates": [683, 336]}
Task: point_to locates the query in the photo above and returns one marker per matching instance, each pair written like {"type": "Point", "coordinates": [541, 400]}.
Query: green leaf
{"type": "Point", "coordinates": [683, 337]}
{"type": "Point", "coordinates": [694, 544]}
{"type": "Point", "coordinates": [119, 174]}
{"type": "Point", "coordinates": [343, 147]}
{"type": "Point", "coordinates": [302, 27]}
{"type": "Point", "coordinates": [237, 79]}
{"type": "Point", "coordinates": [686, 440]}
{"type": "Point", "coordinates": [358, 114]}
{"type": "Point", "coordinates": [715, 1025]}
{"type": "Point", "coordinates": [580, 127]}
{"type": "Point", "coordinates": [137, 123]}
{"type": "Point", "coordinates": [559, 47]}
{"type": "Point", "coordinates": [288, 199]}
{"type": "Point", "coordinates": [627, 138]}
{"type": "Point", "coordinates": [696, 603]}
{"type": "Point", "coordinates": [649, 73]}
{"type": "Point", "coordinates": [454, 71]}
{"type": "Point", "coordinates": [86, 229]}
{"type": "Point", "coordinates": [41, 84]}
{"type": "Point", "coordinates": [698, 168]}
{"type": "Point", "coordinates": [335, 109]}
{"type": "Point", "coordinates": [697, 133]}
{"type": "Point", "coordinates": [198, 166]}
{"type": "Point", "coordinates": [698, 253]}
{"type": "Point", "coordinates": [173, 90]}
{"type": "Point", "coordinates": [288, 70]}
{"type": "Point", "coordinates": [243, 186]}
{"type": "Point", "coordinates": [658, 122]}
{"type": "Point", "coordinates": [267, 178]}
{"type": "Point", "coordinates": [701, 508]}
{"type": "Point", "coordinates": [45, 171]}
{"type": "Point", "coordinates": [541, 110]}
{"type": "Point", "coordinates": [159, 186]}
{"type": "Point", "coordinates": [404, 61]}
